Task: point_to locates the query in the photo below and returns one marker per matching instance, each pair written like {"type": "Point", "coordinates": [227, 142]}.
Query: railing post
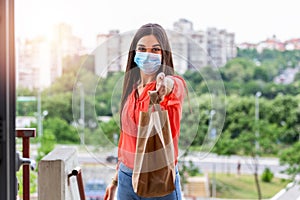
{"type": "Point", "coordinates": [26, 134]}
{"type": "Point", "coordinates": [55, 176]}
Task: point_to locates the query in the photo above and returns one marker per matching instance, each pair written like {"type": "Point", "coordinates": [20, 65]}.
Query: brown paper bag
{"type": "Point", "coordinates": [154, 165]}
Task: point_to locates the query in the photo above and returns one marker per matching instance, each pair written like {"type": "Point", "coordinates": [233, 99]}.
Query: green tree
{"type": "Point", "coordinates": [240, 132]}
{"type": "Point", "coordinates": [261, 73]}
{"type": "Point", "coordinates": [105, 135]}
{"type": "Point", "coordinates": [193, 77]}
{"type": "Point", "coordinates": [47, 144]}
{"type": "Point", "coordinates": [239, 69]}
{"type": "Point", "coordinates": [28, 108]}
{"type": "Point", "coordinates": [251, 54]}
{"type": "Point", "coordinates": [111, 130]}
{"type": "Point", "coordinates": [291, 157]}
{"type": "Point", "coordinates": [297, 76]}
{"type": "Point", "coordinates": [62, 131]}
{"type": "Point", "coordinates": [284, 111]}
{"type": "Point", "coordinates": [58, 105]}
{"type": "Point", "coordinates": [108, 94]}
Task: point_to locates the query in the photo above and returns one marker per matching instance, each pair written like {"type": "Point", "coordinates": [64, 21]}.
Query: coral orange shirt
{"type": "Point", "coordinates": [130, 118]}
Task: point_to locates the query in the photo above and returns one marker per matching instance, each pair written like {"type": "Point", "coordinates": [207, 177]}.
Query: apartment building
{"type": "Point", "coordinates": [63, 44]}
{"type": "Point", "coordinates": [273, 43]}
{"type": "Point", "coordinates": [212, 47]}
{"type": "Point", "coordinates": [33, 63]}
{"type": "Point", "coordinates": [39, 60]}
{"type": "Point", "coordinates": [191, 49]}
{"type": "Point", "coordinates": [111, 52]}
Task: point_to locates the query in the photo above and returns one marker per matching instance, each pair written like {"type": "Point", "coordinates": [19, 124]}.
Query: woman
{"type": "Point", "coordinates": [149, 67]}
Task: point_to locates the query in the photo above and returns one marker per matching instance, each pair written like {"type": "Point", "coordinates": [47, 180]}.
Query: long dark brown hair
{"type": "Point", "coordinates": [132, 75]}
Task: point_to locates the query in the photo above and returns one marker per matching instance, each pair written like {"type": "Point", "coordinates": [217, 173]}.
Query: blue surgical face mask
{"type": "Point", "coordinates": [149, 63]}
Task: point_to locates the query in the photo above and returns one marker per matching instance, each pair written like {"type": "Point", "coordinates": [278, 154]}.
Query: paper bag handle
{"type": "Point", "coordinates": [154, 101]}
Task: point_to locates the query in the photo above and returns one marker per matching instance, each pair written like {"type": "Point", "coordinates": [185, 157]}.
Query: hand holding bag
{"type": "Point", "coordinates": [154, 165]}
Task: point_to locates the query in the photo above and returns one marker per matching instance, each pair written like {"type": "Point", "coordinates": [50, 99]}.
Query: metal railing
{"type": "Point", "coordinates": [24, 160]}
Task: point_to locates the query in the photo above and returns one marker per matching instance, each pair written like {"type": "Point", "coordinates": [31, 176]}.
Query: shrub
{"type": "Point", "coordinates": [267, 175]}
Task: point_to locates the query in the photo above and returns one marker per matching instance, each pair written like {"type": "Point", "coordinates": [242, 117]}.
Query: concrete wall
{"type": "Point", "coordinates": [53, 175]}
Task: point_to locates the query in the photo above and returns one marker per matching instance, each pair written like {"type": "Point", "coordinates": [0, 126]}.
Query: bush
{"type": "Point", "coordinates": [267, 175]}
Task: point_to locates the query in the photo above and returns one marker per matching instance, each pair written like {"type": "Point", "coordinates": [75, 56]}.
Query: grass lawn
{"type": "Point", "coordinates": [243, 186]}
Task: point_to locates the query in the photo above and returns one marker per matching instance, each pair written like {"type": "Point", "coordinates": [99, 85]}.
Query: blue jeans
{"type": "Point", "coordinates": [125, 189]}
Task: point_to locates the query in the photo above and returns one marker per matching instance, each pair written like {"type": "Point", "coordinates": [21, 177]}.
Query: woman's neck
{"type": "Point", "coordinates": [146, 79]}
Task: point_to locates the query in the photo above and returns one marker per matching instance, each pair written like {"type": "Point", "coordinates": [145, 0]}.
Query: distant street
{"type": "Point", "coordinates": [214, 163]}
{"type": "Point", "coordinates": [97, 166]}
{"type": "Point", "coordinates": [207, 163]}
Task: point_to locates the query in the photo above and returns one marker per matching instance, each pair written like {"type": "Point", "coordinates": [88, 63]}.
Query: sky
{"type": "Point", "coordinates": [251, 20]}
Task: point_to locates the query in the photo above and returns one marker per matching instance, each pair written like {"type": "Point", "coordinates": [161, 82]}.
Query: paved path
{"type": "Point", "coordinates": [292, 192]}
